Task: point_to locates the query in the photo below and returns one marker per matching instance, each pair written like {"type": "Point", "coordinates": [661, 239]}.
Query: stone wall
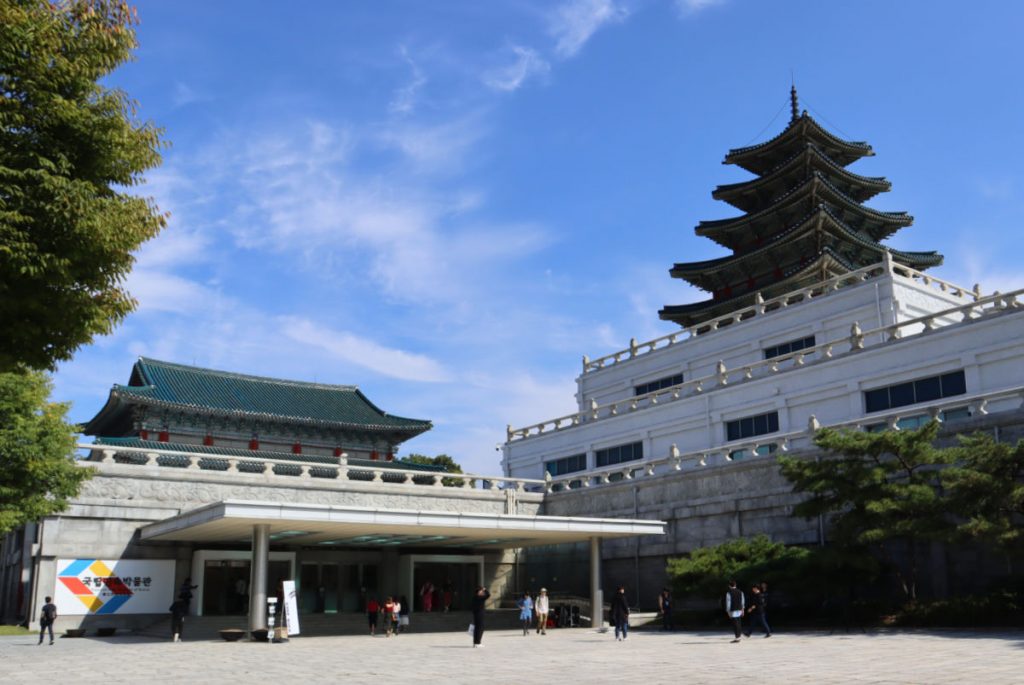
{"type": "Point", "coordinates": [711, 505]}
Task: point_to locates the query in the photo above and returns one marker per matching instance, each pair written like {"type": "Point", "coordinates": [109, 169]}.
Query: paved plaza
{"type": "Point", "coordinates": [575, 655]}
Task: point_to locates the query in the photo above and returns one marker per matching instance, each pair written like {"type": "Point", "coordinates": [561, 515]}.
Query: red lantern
{"type": "Point", "coordinates": [208, 440]}
{"type": "Point", "coordinates": [391, 456]}
{"type": "Point", "coordinates": [373, 455]}
{"type": "Point", "coordinates": [144, 434]}
{"type": "Point", "coordinates": [254, 444]}
{"type": "Point", "coordinates": [337, 451]}
{"type": "Point", "coordinates": [164, 436]}
{"type": "Point", "coordinates": [297, 448]}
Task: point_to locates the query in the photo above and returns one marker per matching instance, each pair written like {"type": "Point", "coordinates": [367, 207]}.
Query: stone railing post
{"type": "Point", "coordinates": [232, 465]}
{"type": "Point", "coordinates": [151, 459]}
{"type": "Point", "coordinates": [193, 463]}
{"type": "Point", "coordinates": [723, 376]}
{"type": "Point", "coordinates": [108, 456]}
{"type": "Point", "coordinates": [856, 337]}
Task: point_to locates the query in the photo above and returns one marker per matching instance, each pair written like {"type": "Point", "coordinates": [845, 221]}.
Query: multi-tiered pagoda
{"type": "Point", "coordinates": [805, 221]}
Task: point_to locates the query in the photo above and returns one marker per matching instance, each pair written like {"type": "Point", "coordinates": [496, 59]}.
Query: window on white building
{"type": "Point", "coordinates": [750, 426]}
{"type": "Point", "coordinates": [620, 453]}
{"type": "Point", "coordinates": [559, 467]}
{"type": "Point", "coordinates": [913, 392]}
{"type": "Point", "coordinates": [789, 347]}
{"type": "Point", "coordinates": [660, 384]}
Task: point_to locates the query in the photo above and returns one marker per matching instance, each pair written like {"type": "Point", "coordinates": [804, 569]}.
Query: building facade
{"type": "Point", "coordinates": [811, 322]}
{"type": "Point", "coordinates": [224, 485]}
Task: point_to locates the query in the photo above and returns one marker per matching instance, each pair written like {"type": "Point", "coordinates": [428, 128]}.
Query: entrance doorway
{"type": "Point", "coordinates": [224, 576]}
{"type": "Point", "coordinates": [454, 577]}
{"type": "Point", "coordinates": [327, 587]}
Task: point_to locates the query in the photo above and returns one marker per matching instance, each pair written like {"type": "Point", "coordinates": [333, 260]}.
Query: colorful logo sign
{"type": "Point", "coordinates": [105, 586]}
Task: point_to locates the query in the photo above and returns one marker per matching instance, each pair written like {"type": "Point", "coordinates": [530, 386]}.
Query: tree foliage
{"type": "Point", "coordinates": [69, 150]}
{"type": "Point", "coordinates": [442, 460]}
{"type": "Point", "coordinates": [705, 571]}
{"type": "Point", "coordinates": [985, 489]}
{"type": "Point", "coordinates": [37, 469]}
{"type": "Point", "coordinates": [875, 488]}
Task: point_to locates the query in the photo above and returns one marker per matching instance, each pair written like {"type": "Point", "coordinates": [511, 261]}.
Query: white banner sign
{"type": "Point", "coordinates": [113, 586]}
{"type": "Point", "coordinates": [291, 607]}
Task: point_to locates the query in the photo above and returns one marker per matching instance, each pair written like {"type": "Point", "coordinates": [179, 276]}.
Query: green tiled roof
{"type": "Point", "coordinates": [207, 391]}
{"type": "Point", "coordinates": [215, 451]}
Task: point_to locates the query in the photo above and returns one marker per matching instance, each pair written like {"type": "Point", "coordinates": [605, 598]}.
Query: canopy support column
{"type": "Point", "coordinates": [596, 598]}
{"type": "Point", "coordinates": [258, 579]}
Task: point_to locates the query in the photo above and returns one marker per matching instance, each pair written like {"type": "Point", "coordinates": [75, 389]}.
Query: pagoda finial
{"type": "Point", "coordinates": [793, 104]}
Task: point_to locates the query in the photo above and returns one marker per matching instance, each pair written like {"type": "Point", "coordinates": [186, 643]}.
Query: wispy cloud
{"type": "Point", "coordinates": [690, 7]}
{"type": "Point", "coordinates": [185, 95]}
{"type": "Point", "coordinates": [360, 351]}
{"type": "Point", "coordinates": [527, 64]}
{"type": "Point", "coordinates": [404, 99]}
{"type": "Point", "coordinates": [573, 23]}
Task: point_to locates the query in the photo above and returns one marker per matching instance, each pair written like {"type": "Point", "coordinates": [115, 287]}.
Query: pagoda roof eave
{"type": "Point", "coordinates": [712, 229]}
{"type": "Point", "coordinates": [804, 124]}
{"type": "Point", "coordinates": [912, 259]}
{"type": "Point", "coordinates": [695, 313]}
{"type": "Point", "coordinates": [724, 192]}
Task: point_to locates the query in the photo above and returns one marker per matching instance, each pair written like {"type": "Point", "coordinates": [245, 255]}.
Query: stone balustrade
{"type": "Point", "coordinates": [937, 283]}
{"type": "Point", "coordinates": [858, 339]}
{"type": "Point", "coordinates": [777, 443]}
{"type": "Point", "coordinates": [761, 307]}
{"type": "Point", "coordinates": [336, 472]}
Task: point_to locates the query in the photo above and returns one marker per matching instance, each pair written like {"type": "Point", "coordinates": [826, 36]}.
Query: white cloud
{"type": "Point", "coordinates": [359, 351]}
{"type": "Point", "coordinates": [161, 291]}
{"type": "Point", "coordinates": [689, 7]}
{"type": "Point", "coordinates": [573, 23]}
{"type": "Point", "coordinates": [404, 99]}
{"type": "Point", "coordinates": [528, 63]}
{"type": "Point", "coordinates": [183, 95]}
{"type": "Point", "coordinates": [437, 147]}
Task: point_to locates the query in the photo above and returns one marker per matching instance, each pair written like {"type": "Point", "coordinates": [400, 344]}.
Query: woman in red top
{"type": "Point", "coordinates": [372, 609]}
{"type": "Point", "coordinates": [389, 609]}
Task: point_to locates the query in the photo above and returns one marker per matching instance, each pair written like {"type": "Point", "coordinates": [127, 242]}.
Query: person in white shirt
{"type": "Point", "coordinates": [542, 607]}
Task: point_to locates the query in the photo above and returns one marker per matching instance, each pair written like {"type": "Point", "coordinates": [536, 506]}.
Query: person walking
{"type": "Point", "coordinates": [479, 603]}
{"type": "Point", "coordinates": [542, 606]}
{"type": "Point", "coordinates": [372, 610]}
{"type": "Point", "coordinates": [47, 617]}
{"type": "Point", "coordinates": [403, 614]}
{"type": "Point", "coordinates": [178, 611]}
{"type": "Point", "coordinates": [755, 612]}
{"type": "Point", "coordinates": [448, 595]}
{"type": "Point", "coordinates": [389, 610]}
{"type": "Point", "coordinates": [764, 609]}
{"type": "Point", "coordinates": [427, 593]}
{"type": "Point", "coordinates": [526, 612]}
{"type": "Point", "coordinates": [396, 616]}
{"type": "Point", "coordinates": [665, 608]}
{"type": "Point", "coordinates": [734, 606]}
{"type": "Point", "coordinates": [620, 613]}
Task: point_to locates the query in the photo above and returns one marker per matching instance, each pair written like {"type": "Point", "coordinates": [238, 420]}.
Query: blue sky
{"type": "Point", "coordinates": [448, 203]}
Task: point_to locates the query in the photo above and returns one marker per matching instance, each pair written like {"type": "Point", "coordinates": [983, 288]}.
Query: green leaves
{"type": "Point", "coordinates": [68, 146]}
{"type": "Point", "coordinates": [37, 470]}
{"type": "Point", "coordinates": [704, 571]}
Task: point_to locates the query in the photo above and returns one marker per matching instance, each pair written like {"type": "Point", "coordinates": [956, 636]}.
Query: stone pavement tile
{"type": "Point", "coordinates": [916, 658]}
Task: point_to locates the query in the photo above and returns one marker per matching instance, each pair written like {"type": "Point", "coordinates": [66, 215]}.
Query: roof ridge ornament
{"type": "Point", "coordinates": [793, 104]}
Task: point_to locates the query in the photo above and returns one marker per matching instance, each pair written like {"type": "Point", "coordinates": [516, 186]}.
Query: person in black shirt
{"type": "Point", "coordinates": [620, 613]}
{"type": "Point", "coordinates": [479, 602]}
{"type": "Point", "coordinates": [755, 612]}
{"type": "Point", "coordinates": [665, 607]}
{"type": "Point", "coordinates": [47, 617]}
{"type": "Point", "coordinates": [178, 612]}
